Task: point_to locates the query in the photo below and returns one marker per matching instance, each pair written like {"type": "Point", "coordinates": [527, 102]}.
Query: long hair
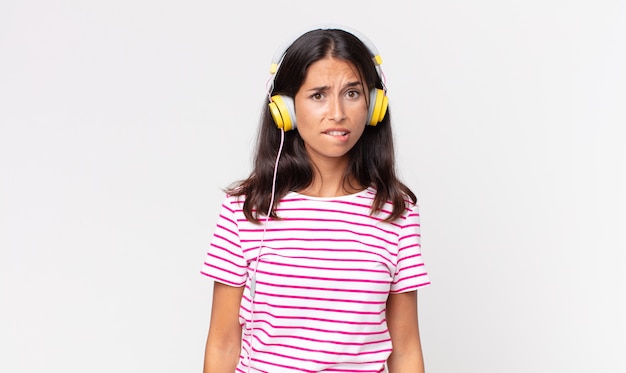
{"type": "Point", "coordinates": [372, 159]}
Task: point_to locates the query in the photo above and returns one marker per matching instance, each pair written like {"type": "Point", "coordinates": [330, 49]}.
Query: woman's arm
{"type": "Point", "coordinates": [406, 356]}
{"type": "Point", "coordinates": [224, 341]}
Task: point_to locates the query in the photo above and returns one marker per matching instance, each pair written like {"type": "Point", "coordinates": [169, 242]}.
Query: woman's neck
{"type": "Point", "coordinates": [329, 180]}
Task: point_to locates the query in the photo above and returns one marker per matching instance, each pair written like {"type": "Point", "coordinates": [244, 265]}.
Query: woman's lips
{"type": "Point", "coordinates": [336, 133]}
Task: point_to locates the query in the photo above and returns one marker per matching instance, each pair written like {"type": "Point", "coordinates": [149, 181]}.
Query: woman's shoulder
{"type": "Point", "coordinates": [406, 203]}
{"type": "Point", "coordinates": [233, 201]}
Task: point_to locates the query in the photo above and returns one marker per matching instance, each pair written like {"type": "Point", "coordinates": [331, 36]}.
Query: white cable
{"type": "Point", "coordinates": [258, 258]}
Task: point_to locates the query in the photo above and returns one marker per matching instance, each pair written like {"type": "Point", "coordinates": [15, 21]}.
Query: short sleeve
{"type": "Point", "coordinates": [410, 270]}
{"type": "Point", "coordinates": [224, 260]}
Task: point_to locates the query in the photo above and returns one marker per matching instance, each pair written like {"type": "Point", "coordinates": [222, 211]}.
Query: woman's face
{"type": "Point", "coordinates": [331, 109]}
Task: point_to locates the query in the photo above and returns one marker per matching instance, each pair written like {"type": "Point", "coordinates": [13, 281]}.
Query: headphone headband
{"type": "Point", "coordinates": [280, 52]}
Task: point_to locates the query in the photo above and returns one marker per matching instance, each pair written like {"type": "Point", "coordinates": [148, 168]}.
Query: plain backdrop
{"type": "Point", "coordinates": [121, 122]}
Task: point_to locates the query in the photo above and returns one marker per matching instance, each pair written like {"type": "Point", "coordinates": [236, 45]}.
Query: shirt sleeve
{"type": "Point", "coordinates": [410, 270]}
{"type": "Point", "coordinates": [224, 260]}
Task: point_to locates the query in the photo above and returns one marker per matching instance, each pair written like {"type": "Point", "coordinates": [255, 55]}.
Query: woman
{"type": "Point", "coordinates": [316, 259]}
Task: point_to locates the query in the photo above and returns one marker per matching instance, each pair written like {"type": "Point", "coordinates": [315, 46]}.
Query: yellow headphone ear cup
{"type": "Point", "coordinates": [283, 112]}
{"type": "Point", "coordinates": [278, 119]}
{"type": "Point", "coordinates": [383, 108]}
{"type": "Point", "coordinates": [378, 106]}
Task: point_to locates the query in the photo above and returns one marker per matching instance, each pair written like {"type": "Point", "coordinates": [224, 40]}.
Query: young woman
{"type": "Point", "coordinates": [316, 257]}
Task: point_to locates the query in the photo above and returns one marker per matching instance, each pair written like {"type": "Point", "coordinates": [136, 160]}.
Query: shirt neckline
{"type": "Point", "coordinates": [365, 191]}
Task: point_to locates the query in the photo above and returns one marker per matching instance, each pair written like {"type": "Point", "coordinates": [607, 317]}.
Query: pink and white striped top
{"type": "Point", "coordinates": [322, 281]}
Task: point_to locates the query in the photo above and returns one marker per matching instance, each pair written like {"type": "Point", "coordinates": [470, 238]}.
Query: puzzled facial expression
{"type": "Point", "coordinates": [331, 109]}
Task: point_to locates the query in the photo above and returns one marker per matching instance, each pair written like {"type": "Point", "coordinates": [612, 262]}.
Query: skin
{"type": "Point", "coordinates": [331, 112]}
{"type": "Point", "coordinates": [406, 356]}
{"type": "Point", "coordinates": [224, 341]}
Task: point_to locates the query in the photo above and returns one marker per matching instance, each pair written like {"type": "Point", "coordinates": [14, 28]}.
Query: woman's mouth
{"type": "Point", "coordinates": [336, 133]}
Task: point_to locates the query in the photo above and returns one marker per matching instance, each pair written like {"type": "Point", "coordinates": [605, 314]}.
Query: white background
{"type": "Point", "coordinates": [120, 122]}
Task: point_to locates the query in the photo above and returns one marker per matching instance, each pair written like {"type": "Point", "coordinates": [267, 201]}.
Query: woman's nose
{"type": "Point", "coordinates": [336, 110]}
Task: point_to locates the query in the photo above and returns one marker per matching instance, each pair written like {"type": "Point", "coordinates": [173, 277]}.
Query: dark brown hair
{"type": "Point", "coordinates": [372, 159]}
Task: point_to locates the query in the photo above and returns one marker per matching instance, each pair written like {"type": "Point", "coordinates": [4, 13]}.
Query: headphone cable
{"type": "Point", "coordinates": [258, 258]}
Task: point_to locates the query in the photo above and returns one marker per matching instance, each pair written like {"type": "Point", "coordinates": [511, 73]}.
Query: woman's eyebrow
{"type": "Point", "coordinates": [326, 87]}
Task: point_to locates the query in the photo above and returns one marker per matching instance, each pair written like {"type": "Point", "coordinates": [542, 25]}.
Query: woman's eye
{"type": "Point", "coordinates": [317, 96]}
{"type": "Point", "coordinates": [353, 94]}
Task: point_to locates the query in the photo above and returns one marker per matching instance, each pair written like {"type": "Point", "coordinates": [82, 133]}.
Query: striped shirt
{"type": "Point", "coordinates": [324, 271]}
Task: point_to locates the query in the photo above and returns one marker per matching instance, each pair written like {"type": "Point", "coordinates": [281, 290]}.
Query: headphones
{"type": "Point", "coordinates": [282, 107]}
